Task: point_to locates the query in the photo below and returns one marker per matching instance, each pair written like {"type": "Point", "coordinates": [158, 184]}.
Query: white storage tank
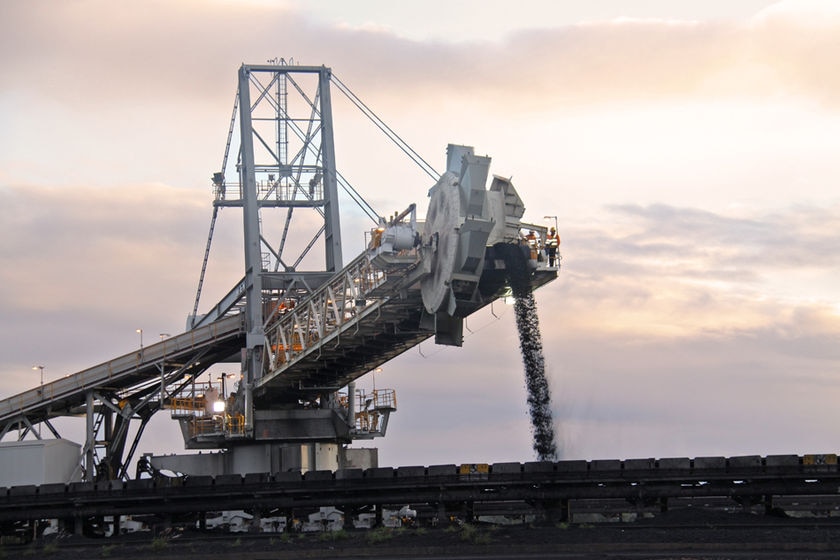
{"type": "Point", "coordinates": [39, 462]}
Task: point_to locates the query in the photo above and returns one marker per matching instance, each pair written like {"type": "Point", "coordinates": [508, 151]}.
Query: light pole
{"type": "Point", "coordinates": [373, 377]}
{"type": "Point", "coordinates": [140, 332]}
{"type": "Point", "coordinates": [42, 376]}
{"type": "Point", "coordinates": [41, 391]}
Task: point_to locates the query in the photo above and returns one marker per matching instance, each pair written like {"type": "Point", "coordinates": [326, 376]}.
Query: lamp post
{"type": "Point", "coordinates": [42, 376]}
{"type": "Point", "coordinates": [373, 378]}
{"type": "Point", "coordinates": [41, 391]}
{"type": "Point", "coordinates": [140, 332]}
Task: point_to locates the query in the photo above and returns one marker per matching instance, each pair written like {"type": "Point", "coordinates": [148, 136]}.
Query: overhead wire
{"type": "Point", "coordinates": [388, 131]}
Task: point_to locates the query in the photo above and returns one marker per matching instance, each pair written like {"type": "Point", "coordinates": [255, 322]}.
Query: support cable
{"type": "Point", "coordinates": [204, 264]}
{"type": "Point", "coordinates": [357, 198]}
{"type": "Point", "coordinates": [219, 191]}
{"type": "Point", "coordinates": [380, 124]}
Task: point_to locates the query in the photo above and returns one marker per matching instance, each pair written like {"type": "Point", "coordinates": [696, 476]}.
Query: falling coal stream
{"type": "Point", "coordinates": [530, 343]}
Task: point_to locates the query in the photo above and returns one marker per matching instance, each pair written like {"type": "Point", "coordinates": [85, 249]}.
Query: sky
{"type": "Point", "coordinates": [688, 149]}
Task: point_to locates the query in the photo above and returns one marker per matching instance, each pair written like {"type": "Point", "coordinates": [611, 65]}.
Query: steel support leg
{"type": "Point", "coordinates": [90, 439]}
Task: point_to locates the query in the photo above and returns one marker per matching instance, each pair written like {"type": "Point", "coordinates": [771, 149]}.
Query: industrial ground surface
{"type": "Point", "coordinates": [685, 535]}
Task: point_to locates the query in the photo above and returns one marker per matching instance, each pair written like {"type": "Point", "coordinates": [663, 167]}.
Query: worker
{"type": "Point", "coordinates": [552, 243]}
{"type": "Point", "coordinates": [533, 244]}
{"type": "Point", "coordinates": [376, 238]}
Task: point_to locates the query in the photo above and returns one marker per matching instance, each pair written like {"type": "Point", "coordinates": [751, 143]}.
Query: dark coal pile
{"type": "Point", "coordinates": [530, 343]}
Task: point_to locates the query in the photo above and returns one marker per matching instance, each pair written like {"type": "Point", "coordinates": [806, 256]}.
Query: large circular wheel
{"type": "Point", "coordinates": [441, 228]}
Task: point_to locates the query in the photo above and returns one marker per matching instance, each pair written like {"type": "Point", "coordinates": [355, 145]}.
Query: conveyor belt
{"type": "Point", "coordinates": [545, 486]}
{"type": "Point", "coordinates": [328, 341]}
{"type": "Point", "coordinates": [126, 374]}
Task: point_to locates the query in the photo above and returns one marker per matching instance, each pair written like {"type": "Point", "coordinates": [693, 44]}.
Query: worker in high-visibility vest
{"type": "Point", "coordinates": [533, 244]}
{"type": "Point", "coordinates": [552, 243]}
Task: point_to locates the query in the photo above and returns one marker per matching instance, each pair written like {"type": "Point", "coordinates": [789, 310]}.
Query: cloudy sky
{"type": "Point", "coordinates": [689, 150]}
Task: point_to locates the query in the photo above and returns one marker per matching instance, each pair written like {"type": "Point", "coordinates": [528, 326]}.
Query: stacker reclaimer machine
{"type": "Point", "coordinates": [297, 329]}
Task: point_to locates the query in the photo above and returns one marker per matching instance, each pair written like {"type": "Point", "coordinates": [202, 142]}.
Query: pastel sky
{"type": "Point", "coordinates": [689, 149]}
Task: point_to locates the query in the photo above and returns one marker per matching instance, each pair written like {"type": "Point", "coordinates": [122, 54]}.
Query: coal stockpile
{"type": "Point", "coordinates": [530, 343]}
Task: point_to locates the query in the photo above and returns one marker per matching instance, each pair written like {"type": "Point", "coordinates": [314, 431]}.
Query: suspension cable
{"type": "Point", "coordinates": [215, 207]}
{"type": "Point", "coordinates": [380, 124]}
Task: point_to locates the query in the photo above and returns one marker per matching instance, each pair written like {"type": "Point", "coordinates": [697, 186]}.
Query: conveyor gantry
{"type": "Point", "coordinates": [364, 316]}
{"type": "Point", "coordinates": [135, 376]}
{"type": "Point", "coordinates": [369, 313]}
{"type": "Point", "coordinates": [130, 387]}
